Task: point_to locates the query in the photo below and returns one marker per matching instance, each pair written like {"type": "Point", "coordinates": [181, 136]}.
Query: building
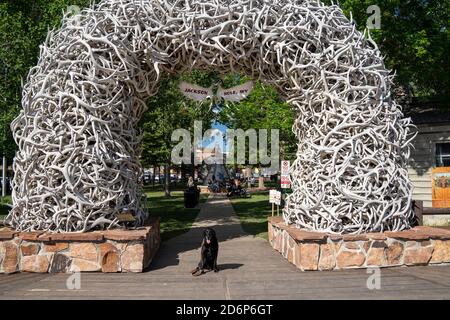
{"type": "Point", "coordinates": [429, 165]}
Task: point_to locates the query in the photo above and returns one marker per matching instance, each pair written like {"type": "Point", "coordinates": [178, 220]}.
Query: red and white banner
{"type": "Point", "coordinates": [237, 93]}
{"type": "Point", "coordinates": [198, 93]}
{"type": "Point", "coordinates": [194, 92]}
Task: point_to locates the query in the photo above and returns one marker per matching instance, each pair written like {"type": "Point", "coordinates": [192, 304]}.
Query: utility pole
{"type": "Point", "coordinates": [4, 178]}
{"type": "Point", "coordinates": [3, 153]}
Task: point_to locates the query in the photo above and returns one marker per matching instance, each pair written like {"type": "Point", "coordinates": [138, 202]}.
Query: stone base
{"type": "Point", "coordinates": [322, 251]}
{"type": "Point", "coordinates": [115, 250]}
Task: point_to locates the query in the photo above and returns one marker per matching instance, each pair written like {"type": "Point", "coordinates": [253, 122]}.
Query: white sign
{"type": "Point", "coordinates": [237, 93]}
{"type": "Point", "coordinates": [285, 180]}
{"type": "Point", "coordinates": [275, 197]}
{"type": "Point", "coordinates": [194, 92]}
{"type": "Point", "coordinates": [198, 93]}
{"type": "Point", "coordinates": [285, 165]}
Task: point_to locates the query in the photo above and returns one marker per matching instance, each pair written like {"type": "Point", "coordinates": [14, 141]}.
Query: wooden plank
{"type": "Point", "coordinates": [418, 174]}
{"type": "Point", "coordinates": [418, 211]}
{"type": "Point", "coordinates": [372, 295]}
{"type": "Point", "coordinates": [425, 176]}
{"type": "Point", "coordinates": [435, 129]}
{"type": "Point", "coordinates": [435, 211]}
{"type": "Point", "coordinates": [421, 186]}
{"type": "Point", "coordinates": [396, 283]}
{"type": "Point", "coordinates": [421, 155]}
{"type": "Point", "coordinates": [423, 197]}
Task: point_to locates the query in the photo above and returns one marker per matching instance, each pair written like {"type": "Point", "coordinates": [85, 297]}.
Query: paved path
{"type": "Point", "coordinates": [250, 269]}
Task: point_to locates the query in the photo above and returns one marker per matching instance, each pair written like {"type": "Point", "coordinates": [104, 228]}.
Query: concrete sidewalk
{"type": "Point", "coordinates": [249, 269]}
{"type": "Point", "coordinates": [239, 253]}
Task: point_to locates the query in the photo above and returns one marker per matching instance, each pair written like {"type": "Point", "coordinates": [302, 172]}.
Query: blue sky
{"type": "Point", "coordinates": [215, 125]}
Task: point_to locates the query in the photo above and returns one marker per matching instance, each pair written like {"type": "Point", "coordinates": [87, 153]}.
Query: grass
{"type": "Point", "coordinates": [160, 187]}
{"type": "Point", "coordinates": [4, 209]}
{"type": "Point", "coordinates": [253, 213]}
{"type": "Point", "coordinates": [175, 218]}
{"type": "Point", "coordinates": [269, 184]}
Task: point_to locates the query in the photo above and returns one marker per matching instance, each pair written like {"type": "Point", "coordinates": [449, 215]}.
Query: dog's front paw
{"type": "Point", "coordinates": [198, 272]}
{"type": "Point", "coordinates": [195, 270]}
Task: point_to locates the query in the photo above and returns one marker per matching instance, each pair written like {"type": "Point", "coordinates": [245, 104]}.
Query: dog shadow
{"type": "Point", "coordinates": [229, 266]}
{"type": "Point", "coordinates": [222, 267]}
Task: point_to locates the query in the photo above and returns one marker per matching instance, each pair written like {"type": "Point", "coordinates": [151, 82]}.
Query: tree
{"type": "Point", "coordinates": [23, 27]}
{"type": "Point", "coordinates": [168, 110]}
{"type": "Point", "coordinates": [414, 37]}
{"type": "Point", "coordinates": [262, 109]}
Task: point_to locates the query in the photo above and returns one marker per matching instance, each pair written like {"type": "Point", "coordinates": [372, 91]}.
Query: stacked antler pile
{"type": "Point", "coordinates": [78, 159]}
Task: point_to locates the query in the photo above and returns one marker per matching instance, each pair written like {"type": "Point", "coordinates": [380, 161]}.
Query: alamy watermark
{"type": "Point", "coordinates": [374, 20]}
{"type": "Point", "coordinates": [73, 282]}
{"type": "Point", "coordinates": [231, 147]}
{"type": "Point", "coordinates": [374, 280]}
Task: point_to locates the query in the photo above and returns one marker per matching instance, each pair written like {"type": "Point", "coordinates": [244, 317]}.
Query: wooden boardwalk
{"type": "Point", "coordinates": [250, 269]}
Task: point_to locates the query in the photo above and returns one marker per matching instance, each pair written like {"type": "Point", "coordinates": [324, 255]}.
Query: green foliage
{"type": "Point", "coordinates": [262, 109]}
{"type": "Point", "coordinates": [253, 213]}
{"type": "Point", "coordinates": [414, 37]}
{"type": "Point", "coordinates": [175, 218]}
{"type": "Point", "coordinates": [168, 110]}
{"type": "Point", "coordinates": [4, 208]}
{"type": "Point", "coordinates": [23, 28]}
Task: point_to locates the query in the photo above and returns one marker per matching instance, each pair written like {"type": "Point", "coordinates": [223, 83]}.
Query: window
{"type": "Point", "coordinates": [442, 154]}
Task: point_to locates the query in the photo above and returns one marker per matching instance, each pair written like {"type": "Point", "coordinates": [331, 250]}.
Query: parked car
{"type": "Point", "coordinates": [147, 178]}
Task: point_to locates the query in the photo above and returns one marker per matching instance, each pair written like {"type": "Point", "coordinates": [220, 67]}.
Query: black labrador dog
{"type": "Point", "coordinates": [210, 249]}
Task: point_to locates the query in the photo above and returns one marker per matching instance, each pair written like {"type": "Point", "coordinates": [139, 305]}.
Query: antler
{"type": "Point", "coordinates": [78, 158]}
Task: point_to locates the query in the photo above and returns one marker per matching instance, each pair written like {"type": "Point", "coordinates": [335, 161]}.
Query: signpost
{"type": "Point", "coordinates": [285, 181]}
{"type": "Point", "coordinates": [275, 199]}
{"type": "Point", "coordinates": [4, 178]}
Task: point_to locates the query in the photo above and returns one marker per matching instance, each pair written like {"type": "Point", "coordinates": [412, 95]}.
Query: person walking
{"type": "Point", "coordinates": [190, 183]}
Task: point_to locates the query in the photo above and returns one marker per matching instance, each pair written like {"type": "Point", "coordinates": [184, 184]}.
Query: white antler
{"type": "Point", "coordinates": [78, 159]}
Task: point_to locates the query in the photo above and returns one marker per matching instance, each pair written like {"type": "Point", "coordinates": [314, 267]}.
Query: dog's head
{"type": "Point", "coordinates": [209, 235]}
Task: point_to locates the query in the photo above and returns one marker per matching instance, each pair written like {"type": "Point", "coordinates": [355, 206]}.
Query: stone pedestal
{"type": "Point", "coordinates": [322, 251]}
{"type": "Point", "coordinates": [115, 250]}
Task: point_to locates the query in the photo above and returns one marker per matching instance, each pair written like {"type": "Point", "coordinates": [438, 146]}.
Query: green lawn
{"type": "Point", "coordinates": [175, 218]}
{"type": "Point", "coordinates": [253, 213]}
{"type": "Point", "coordinates": [4, 209]}
{"type": "Point", "coordinates": [160, 187]}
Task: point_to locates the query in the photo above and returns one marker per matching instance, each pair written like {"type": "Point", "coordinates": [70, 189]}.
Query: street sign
{"type": "Point", "coordinates": [275, 197]}
{"type": "Point", "coordinates": [285, 165]}
{"type": "Point", "coordinates": [285, 181]}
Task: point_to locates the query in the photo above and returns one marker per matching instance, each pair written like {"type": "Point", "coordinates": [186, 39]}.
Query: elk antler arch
{"type": "Point", "coordinates": [78, 158]}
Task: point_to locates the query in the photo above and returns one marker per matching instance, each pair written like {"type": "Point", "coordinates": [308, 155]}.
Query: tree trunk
{"type": "Point", "coordinates": [154, 175]}
{"type": "Point", "coordinates": [260, 179]}
{"type": "Point", "coordinates": [192, 166]}
{"type": "Point", "coordinates": [183, 169]}
{"type": "Point", "coordinates": [167, 181]}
